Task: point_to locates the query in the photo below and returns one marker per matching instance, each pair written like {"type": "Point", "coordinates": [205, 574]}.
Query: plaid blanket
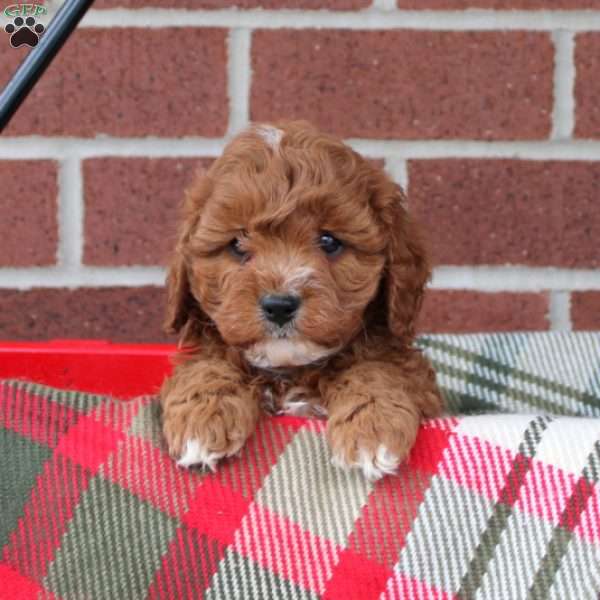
{"type": "Point", "coordinates": [497, 506]}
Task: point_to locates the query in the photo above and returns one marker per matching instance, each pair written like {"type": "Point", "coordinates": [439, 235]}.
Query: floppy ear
{"type": "Point", "coordinates": [183, 310]}
{"type": "Point", "coordinates": [407, 269]}
{"type": "Point", "coordinates": [179, 295]}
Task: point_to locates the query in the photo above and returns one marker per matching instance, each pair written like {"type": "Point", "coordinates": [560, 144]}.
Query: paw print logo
{"type": "Point", "coordinates": [24, 31]}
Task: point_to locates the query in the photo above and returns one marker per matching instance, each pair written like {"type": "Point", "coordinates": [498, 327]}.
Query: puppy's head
{"type": "Point", "coordinates": [289, 242]}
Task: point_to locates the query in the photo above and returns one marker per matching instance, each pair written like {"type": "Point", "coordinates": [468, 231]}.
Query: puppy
{"type": "Point", "coordinates": [294, 288]}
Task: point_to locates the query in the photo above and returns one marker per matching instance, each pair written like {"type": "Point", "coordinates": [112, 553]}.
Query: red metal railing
{"type": "Point", "coordinates": [123, 370]}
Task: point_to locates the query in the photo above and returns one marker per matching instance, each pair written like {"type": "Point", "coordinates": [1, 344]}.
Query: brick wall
{"type": "Point", "coordinates": [488, 111]}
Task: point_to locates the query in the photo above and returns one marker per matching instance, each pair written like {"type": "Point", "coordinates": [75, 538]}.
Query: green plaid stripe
{"type": "Point", "coordinates": [240, 578]}
{"type": "Point", "coordinates": [112, 547]}
{"type": "Point", "coordinates": [25, 458]}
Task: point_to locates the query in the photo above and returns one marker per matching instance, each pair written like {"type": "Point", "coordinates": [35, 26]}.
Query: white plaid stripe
{"type": "Point", "coordinates": [568, 442]}
{"type": "Point", "coordinates": [578, 576]}
{"type": "Point", "coordinates": [506, 432]}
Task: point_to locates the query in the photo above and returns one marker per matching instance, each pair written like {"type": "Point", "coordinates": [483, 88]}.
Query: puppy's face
{"type": "Point", "coordinates": [285, 244]}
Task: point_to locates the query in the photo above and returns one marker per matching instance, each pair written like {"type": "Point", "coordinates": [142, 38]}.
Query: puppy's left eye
{"type": "Point", "coordinates": [330, 244]}
{"type": "Point", "coordinates": [235, 247]}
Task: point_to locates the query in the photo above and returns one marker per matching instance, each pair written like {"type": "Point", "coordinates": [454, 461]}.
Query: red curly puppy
{"type": "Point", "coordinates": [295, 286]}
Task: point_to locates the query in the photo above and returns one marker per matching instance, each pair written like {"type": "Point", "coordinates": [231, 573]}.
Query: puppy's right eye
{"type": "Point", "coordinates": [235, 247]}
{"type": "Point", "coordinates": [330, 244]}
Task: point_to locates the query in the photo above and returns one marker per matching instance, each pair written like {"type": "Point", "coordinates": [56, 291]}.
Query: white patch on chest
{"type": "Point", "coordinates": [285, 352]}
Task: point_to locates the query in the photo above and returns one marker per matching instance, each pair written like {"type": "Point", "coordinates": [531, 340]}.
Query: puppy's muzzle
{"type": "Point", "coordinates": [279, 309]}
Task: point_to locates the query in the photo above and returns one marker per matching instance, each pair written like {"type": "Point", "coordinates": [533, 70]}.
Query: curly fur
{"type": "Point", "coordinates": [349, 352]}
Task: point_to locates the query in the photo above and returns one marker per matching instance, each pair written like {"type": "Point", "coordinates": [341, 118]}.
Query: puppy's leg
{"type": "Point", "coordinates": [375, 409]}
{"type": "Point", "coordinates": [208, 412]}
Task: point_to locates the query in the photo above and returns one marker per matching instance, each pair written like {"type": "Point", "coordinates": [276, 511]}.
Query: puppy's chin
{"type": "Point", "coordinates": [286, 352]}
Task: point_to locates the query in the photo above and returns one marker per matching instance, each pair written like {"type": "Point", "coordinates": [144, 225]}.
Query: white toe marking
{"type": "Point", "coordinates": [373, 467]}
{"type": "Point", "coordinates": [196, 454]}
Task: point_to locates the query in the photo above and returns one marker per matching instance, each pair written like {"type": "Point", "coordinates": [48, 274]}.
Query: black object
{"type": "Point", "coordinates": [38, 59]}
{"type": "Point", "coordinates": [279, 309]}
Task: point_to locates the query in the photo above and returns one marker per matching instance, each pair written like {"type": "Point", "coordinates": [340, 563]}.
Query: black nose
{"type": "Point", "coordinates": [279, 309]}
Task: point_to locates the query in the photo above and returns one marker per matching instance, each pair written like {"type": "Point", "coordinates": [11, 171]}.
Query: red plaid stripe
{"type": "Point", "coordinates": [89, 443]}
{"type": "Point", "coordinates": [15, 586]}
{"type": "Point", "coordinates": [466, 464]}
{"type": "Point", "coordinates": [34, 416]}
{"type": "Point", "coordinates": [589, 524]}
{"type": "Point", "coordinates": [401, 587]}
{"type": "Point", "coordinates": [356, 578]}
{"type": "Point", "coordinates": [187, 567]}
{"type": "Point", "coordinates": [280, 545]}
{"type": "Point", "coordinates": [545, 491]}
{"type": "Point", "coordinates": [576, 504]}
{"type": "Point", "coordinates": [216, 510]}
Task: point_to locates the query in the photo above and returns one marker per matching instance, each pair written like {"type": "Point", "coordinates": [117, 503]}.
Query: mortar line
{"type": "Point", "coordinates": [70, 214]}
{"type": "Point", "coordinates": [515, 278]}
{"type": "Point", "coordinates": [563, 116]}
{"type": "Point", "coordinates": [239, 78]}
{"type": "Point", "coordinates": [64, 276]}
{"type": "Point", "coordinates": [37, 147]}
{"type": "Point", "coordinates": [385, 5]}
{"type": "Point", "coordinates": [375, 17]}
{"type": "Point", "coordinates": [483, 279]}
{"type": "Point", "coordinates": [397, 168]}
{"type": "Point", "coordinates": [560, 311]}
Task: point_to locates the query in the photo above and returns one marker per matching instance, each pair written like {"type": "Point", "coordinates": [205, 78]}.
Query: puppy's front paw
{"type": "Point", "coordinates": [371, 440]}
{"type": "Point", "coordinates": [203, 429]}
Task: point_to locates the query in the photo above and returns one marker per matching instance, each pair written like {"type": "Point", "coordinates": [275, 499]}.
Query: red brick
{"type": "Point", "coordinates": [498, 4]}
{"type": "Point", "coordinates": [585, 310]}
{"type": "Point", "coordinates": [496, 212]}
{"type": "Point", "coordinates": [461, 311]}
{"type": "Point", "coordinates": [28, 205]}
{"type": "Point", "coordinates": [243, 4]}
{"type": "Point", "coordinates": [119, 314]}
{"type": "Point", "coordinates": [128, 82]}
{"type": "Point", "coordinates": [587, 85]}
{"type": "Point", "coordinates": [406, 84]}
{"type": "Point", "coordinates": [132, 207]}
